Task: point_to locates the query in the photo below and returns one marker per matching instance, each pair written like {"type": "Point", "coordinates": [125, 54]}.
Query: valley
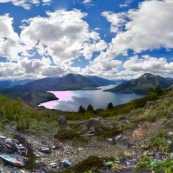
{"type": "Point", "coordinates": [109, 140]}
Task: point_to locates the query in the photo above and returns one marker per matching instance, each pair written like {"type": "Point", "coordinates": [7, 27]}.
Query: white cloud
{"type": "Point", "coordinates": [145, 28]}
{"type": "Point", "coordinates": [86, 1]}
{"type": "Point", "coordinates": [149, 64]}
{"type": "Point", "coordinates": [9, 39]}
{"type": "Point", "coordinates": [63, 35]}
{"type": "Point", "coordinates": [116, 20]}
{"type": "Point", "coordinates": [47, 2]}
{"type": "Point", "coordinates": [26, 3]}
{"type": "Point", "coordinates": [102, 67]}
{"type": "Point", "coordinates": [126, 4]}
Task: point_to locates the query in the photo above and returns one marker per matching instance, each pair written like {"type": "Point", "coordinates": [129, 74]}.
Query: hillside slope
{"type": "Point", "coordinates": [142, 84]}
{"type": "Point", "coordinates": [68, 82]}
{"type": "Point", "coordinates": [117, 142]}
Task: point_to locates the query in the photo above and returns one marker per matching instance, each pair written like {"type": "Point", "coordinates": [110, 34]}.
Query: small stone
{"type": "Point", "coordinates": [145, 146]}
{"type": "Point", "coordinates": [45, 150]}
{"type": "Point", "coordinates": [170, 133]}
{"type": "Point", "coordinates": [169, 142]}
{"type": "Point", "coordinates": [118, 137]}
{"type": "Point", "coordinates": [110, 139]}
{"type": "Point", "coordinates": [53, 164]}
{"type": "Point", "coordinates": [3, 137]}
{"type": "Point", "coordinates": [65, 163]}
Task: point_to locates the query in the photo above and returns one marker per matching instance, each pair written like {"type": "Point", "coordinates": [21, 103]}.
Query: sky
{"type": "Point", "coordinates": [114, 39]}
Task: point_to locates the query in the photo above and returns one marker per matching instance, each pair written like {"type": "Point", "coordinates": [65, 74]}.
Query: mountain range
{"type": "Point", "coordinates": [34, 92]}
{"type": "Point", "coordinates": [68, 82]}
{"type": "Point", "coordinates": [11, 83]}
{"type": "Point", "coordinates": [142, 84]}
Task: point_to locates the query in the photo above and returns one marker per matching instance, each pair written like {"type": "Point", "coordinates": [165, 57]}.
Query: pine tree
{"type": "Point", "coordinates": [110, 106]}
{"type": "Point", "coordinates": [158, 90]}
{"type": "Point", "coordinates": [81, 109]}
{"type": "Point", "coordinates": [90, 108]}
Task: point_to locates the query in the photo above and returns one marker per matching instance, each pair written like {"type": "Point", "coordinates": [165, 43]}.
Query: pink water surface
{"type": "Point", "coordinates": [61, 95]}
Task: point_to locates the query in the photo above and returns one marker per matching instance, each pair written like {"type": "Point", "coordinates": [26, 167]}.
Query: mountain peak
{"type": "Point", "coordinates": [142, 84]}
{"type": "Point", "coordinates": [148, 75]}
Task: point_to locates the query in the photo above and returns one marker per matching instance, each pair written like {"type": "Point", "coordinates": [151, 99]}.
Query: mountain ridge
{"type": "Point", "coordinates": [68, 82]}
{"type": "Point", "coordinates": [142, 84]}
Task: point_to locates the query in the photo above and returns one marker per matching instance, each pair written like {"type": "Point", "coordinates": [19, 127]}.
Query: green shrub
{"type": "Point", "coordinates": [92, 163]}
{"type": "Point", "coordinates": [158, 166]}
{"type": "Point", "coordinates": [67, 134]}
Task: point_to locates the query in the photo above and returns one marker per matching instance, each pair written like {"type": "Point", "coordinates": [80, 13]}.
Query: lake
{"type": "Point", "coordinates": [71, 100]}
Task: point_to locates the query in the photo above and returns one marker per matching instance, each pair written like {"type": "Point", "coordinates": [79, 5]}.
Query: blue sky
{"type": "Point", "coordinates": [115, 39]}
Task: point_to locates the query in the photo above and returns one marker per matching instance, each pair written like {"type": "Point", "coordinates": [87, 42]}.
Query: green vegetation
{"type": "Point", "coordinates": [21, 115]}
{"type": "Point", "coordinates": [90, 108]}
{"type": "Point", "coordinates": [143, 84]}
{"type": "Point", "coordinates": [92, 164]}
{"type": "Point", "coordinates": [81, 109]}
{"type": "Point", "coordinates": [67, 134]}
{"type": "Point", "coordinates": [31, 98]}
{"type": "Point", "coordinates": [160, 142]}
{"type": "Point", "coordinates": [110, 106]}
{"type": "Point", "coordinates": [116, 110]}
{"type": "Point", "coordinates": [158, 166]}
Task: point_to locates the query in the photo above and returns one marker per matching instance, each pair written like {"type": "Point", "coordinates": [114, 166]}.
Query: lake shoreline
{"type": "Point", "coordinates": [69, 101]}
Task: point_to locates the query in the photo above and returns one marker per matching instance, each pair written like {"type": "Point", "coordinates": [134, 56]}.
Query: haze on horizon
{"type": "Point", "coordinates": [112, 39]}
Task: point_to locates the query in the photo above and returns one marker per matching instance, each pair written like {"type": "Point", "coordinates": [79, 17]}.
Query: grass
{"type": "Point", "coordinates": [155, 165]}
{"type": "Point", "coordinates": [67, 134]}
{"type": "Point", "coordinates": [159, 142]}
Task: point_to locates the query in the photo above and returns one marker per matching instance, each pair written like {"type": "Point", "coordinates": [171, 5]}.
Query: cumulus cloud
{"type": "Point", "coordinates": [64, 35]}
{"type": "Point", "coordinates": [9, 39]}
{"type": "Point", "coordinates": [149, 64]}
{"type": "Point", "coordinates": [116, 20]}
{"type": "Point", "coordinates": [145, 29]}
{"type": "Point", "coordinates": [26, 3]}
{"type": "Point", "coordinates": [102, 67]}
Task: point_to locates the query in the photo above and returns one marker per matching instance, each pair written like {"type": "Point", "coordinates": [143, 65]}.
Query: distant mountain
{"type": "Point", "coordinates": [142, 84]}
{"type": "Point", "coordinates": [101, 81]}
{"type": "Point", "coordinates": [35, 91]}
{"type": "Point", "coordinates": [68, 82]}
{"type": "Point", "coordinates": [31, 98]}
{"type": "Point", "coordinates": [11, 83]}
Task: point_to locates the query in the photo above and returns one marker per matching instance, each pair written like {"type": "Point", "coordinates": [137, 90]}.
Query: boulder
{"type": "Point", "coordinates": [62, 121]}
{"type": "Point", "coordinates": [65, 163]}
{"type": "Point", "coordinates": [14, 159]}
{"type": "Point", "coordinates": [120, 142]}
{"type": "Point", "coordinates": [93, 123]}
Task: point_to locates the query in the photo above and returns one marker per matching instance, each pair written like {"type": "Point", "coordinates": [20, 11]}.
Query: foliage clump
{"type": "Point", "coordinates": [92, 163]}
{"type": "Point", "coordinates": [67, 134]}
{"type": "Point", "coordinates": [155, 165]}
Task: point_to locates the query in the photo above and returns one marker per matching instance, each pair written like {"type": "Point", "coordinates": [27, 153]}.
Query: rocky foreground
{"type": "Point", "coordinates": [139, 140]}
{"type": "Point", "coordinates": [24, 152]}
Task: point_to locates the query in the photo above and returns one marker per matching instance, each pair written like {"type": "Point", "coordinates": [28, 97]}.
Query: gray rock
{"type": "Point", "coordinates": [170, 133]}
{"type": "Point", "coordinates": [118, 137]}
{"type": "Point", "coordinates": [93, 123]}
{"type": "Point", "coordinates": [14, 159]}
{"type": "Point", "coordinates": [122, 143]}
{"type": "Point", "coordinates": [62, 120]}
{"type": "Point", "coordinates": [65, 163]}
{"type": "Point", "coordinates": [45, 150]}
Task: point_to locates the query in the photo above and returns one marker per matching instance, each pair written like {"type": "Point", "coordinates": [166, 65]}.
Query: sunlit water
{"type": "Point", "coordinates": [71, 100]}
